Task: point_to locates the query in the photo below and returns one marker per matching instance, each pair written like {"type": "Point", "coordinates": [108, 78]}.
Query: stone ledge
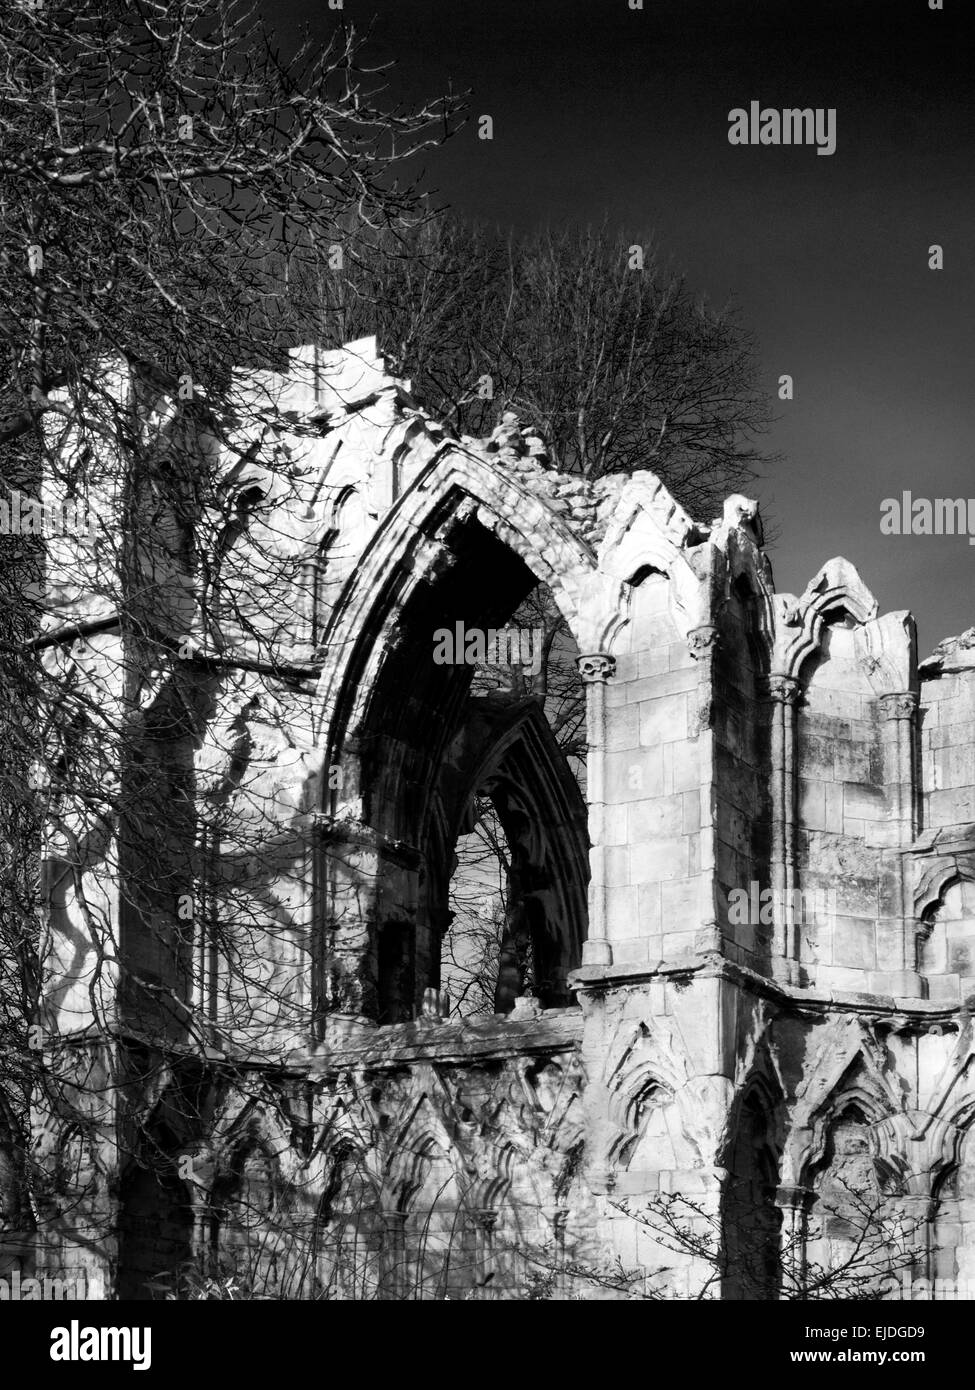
{"type": "Point", "coordinates": [432, 1040]}
{"type": "Point", "coordinates": [358, 1042]}
{"type": "Point", "coordinates": [591, 978]}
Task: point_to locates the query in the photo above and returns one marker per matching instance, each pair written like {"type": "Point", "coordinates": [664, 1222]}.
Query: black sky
{"type": "Point", "coordinates": [602, 111]}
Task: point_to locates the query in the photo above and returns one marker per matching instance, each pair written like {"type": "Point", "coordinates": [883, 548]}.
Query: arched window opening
{"type": "Point", "coordinates": [348, 1230]}
{"type": "Point", "coordinates": [319, 587]}
{"type": "Point", "coordinates": [946, 941]}
{"type": "Point", "coordinates": [470, 962]}
{"type": "Point", "coordinates": [751, 1220]}
{"type": "Point", "coordinates": [951, 1243]}
{"type": "Point", "coordinates": [451, 727]}
{"type": "Point", "coordinates": [155, 1224]}
{"type": "Point", "coordinates": [517, 902]}
{"type": "Point", "coordinates": [655, 1134]}
{"type": "Point", "coordinates": [517, 891]}
{"type": "Point", "coordinates": [848, 1182]}
{"type": "Point", "coordinates": [396, 972]}
{"type": "Point", "coordinates": [859, 1233]}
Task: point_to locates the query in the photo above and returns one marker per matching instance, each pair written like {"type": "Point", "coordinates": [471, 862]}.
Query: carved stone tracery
{"type": "Point", "coordinates": [741, 746]}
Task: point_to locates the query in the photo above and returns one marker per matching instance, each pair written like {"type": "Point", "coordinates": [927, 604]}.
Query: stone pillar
{"type": "Point", "coordinates": [784, 694]}
{"type": "Point", "coordinates": [394, 1281]}
{"type": "Point", "coordinates": [702, 643]}
{"type": "Point", "coordinates": [204, 1255]}
{"type": "Point", "coordinates": [484, 1220]}
{"type": "Point", "coordinates": [794, 1204]}
{"type": "Point", "coordinates": [697, 1275]}
{"type": "Point", "coordinates": [917, 1209]}
{"type": "Point", "coordinates": [349, 873]}
{"type": "Point", "coordinates": [559, 1217]}
{"type": "Point", "coordinates": [595, 669]}
{"type": "Point", "coordinates": [898, 716]}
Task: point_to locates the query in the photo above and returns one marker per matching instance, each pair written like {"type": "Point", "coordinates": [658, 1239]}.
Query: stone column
{"type": "Point", "coordinates": [702, 643]}
{"type": "Point", "coordinates": [784, 694]}
{"type": "Point", "coordinates": [484, 1220]}
{"type": "Point", "coordinates": [559, 1217]}
{"type": "Point", "coordinates": [917, 1209]}
{"type": "Point", "coordinates": [695, 1274]}
{"type": "Point", "coordinates": [595, 669]}
{"type": "Point", "coordinates": [794, 1204]}
{"type": "Point", "coordinates": [348, 877]}
{"type": "Point", "coordinates": [394, 1282]}
{"type": "Point", "coordinates": [898, 715]}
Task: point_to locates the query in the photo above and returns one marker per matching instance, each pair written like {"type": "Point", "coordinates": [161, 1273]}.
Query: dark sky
{"type": "Point", "coordinates": [604, 111]}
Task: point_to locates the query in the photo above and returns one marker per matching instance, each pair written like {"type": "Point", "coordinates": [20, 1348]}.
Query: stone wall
{"type": "Point", "coordinates": [767, 932]}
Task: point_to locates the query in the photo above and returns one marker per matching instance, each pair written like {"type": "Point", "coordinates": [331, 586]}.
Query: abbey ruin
{"type": "Point", "coordinates": [285, 1079]}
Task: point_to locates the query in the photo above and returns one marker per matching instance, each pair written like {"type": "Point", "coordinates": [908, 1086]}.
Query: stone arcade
{"type": "Point", "coordinates": [736, 736]}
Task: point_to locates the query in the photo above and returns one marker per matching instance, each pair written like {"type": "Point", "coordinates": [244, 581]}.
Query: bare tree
{"type": "Point", "coordinates": [472, 947]}
{"type": "Point", "coordinates": [180, 204]}
{"type": "Point", "coordinates": [747, 1258]}
{"type": "Point", "coordinates": [590, 337]}
{"type": "Point", "coordinates": [584, 332]}
{"type": "Point", "coordinates": [153, 155]}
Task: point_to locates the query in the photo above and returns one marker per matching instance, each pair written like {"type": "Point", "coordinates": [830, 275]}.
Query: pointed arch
{"type": "Point", "coordinates": [849, 1068]}
{"type": "Point", "coordinates": [411, 547]}
{"type": "Point", "coordinates": [510, 755]}
{"type": "Point", "coordinates": [750, 1218]}
{"type": "Point", "coordinates": [837, 588]}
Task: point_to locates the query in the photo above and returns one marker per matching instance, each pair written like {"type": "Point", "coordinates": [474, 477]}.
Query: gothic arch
{"type": "Point", "coordinates": [837, 588]}
{"type": "Point", "coordinates": [410, 548]}
{"type": "Point", "coordinates": [155, 1224]}
{"type": "Point", "coordinates": [750, 1219]}
{"type": "Point", "coordinates": [938, 876]}
{"type": "Point", "coordinates": [511, 755]}
{"type": "Point", "coordinates": [848, 1068]}
{"type": "Point", "coordinates": [650, 1122]}
{"type": "Point", "coordinates": [648, 1072]}
{"type": "Point", "coordinates": [648, 530]}
{"type": "Point", "coordinates": [755, 606]}
{"type": "Point", "coordinates": [944, 902]}
{"type": "Point", "coordinates": [397, 712]}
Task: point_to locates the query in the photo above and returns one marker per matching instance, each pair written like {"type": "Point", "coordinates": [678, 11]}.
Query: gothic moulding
{"type": "Point", "coordinates": [887, 656]}
{"type": "Point", "coordinates": [941, 858]}
{"type": "Point", "coordinates": [915, 1138]}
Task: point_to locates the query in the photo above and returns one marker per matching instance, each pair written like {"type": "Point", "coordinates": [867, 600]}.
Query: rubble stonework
{"type": "Point", "coordinates": [737, 736]}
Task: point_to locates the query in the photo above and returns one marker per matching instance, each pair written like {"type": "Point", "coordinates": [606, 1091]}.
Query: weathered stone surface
{"type": "Point", "coordinates": [757, 962]}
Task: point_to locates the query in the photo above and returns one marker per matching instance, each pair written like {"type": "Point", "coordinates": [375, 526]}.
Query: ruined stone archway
{"type": "Point", "coordinates": [508, 756]}
{"type": "Point", "coordinates": [425, 746]}
{"type": "Point", "coordinates": [464, 560]}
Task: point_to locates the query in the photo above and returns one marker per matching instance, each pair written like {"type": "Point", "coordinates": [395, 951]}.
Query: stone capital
{"type": "Point", "coordinates": [900, 705]}
{"type": "Point", "coordinates": [794, 1197]}
{"type": "Point", "coordinates": [701, 641]}
{"type": "Point", "coordinates": [596, 667]}
{"type": "Point", "coordinates": [597, 951]}
{"type": "Point", "coordinates": [784, 690]}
